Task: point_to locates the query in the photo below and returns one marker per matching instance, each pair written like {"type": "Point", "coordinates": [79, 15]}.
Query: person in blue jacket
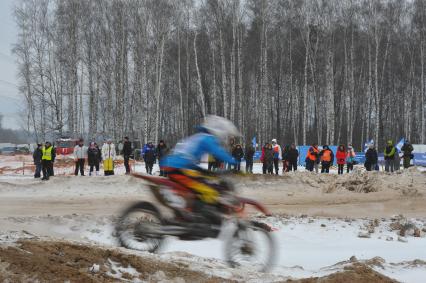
{"type": "Point", "coordinates": [149, 156]}
{"type": "Point", "coordinates": [182, 165]}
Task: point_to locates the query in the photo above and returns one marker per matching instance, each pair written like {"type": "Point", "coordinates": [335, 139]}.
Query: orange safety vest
{"type": "Point", "coordinates": [310, 155]}
{"type": "Point", "coordinates": [326, 156]}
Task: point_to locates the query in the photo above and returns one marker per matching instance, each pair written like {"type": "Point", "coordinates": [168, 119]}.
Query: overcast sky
{"type": "Point", "coordinates": [11, 102]}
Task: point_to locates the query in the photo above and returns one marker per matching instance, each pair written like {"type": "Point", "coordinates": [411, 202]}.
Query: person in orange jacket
{"type": "Point", "coordinates": [311, 157]}
{"type": "Point", "coordinates": [327, 159]}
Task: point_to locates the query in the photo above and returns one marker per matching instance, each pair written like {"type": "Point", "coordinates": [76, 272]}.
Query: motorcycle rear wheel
{"type": "Point", "coordinates": [134, 224]}
{"type": "Point", "coordinates": [251, 245]}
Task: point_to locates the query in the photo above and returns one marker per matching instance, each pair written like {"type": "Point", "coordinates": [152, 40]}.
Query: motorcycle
{"type": "Point", "coordinates": [143, 227]}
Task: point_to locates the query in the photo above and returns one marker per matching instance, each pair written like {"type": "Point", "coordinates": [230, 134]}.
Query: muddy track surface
{"type": "Point", "coordinates": [58, 261]}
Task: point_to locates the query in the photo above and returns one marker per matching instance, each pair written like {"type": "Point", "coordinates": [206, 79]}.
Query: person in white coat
{"type": "Point", "coordinates": [277, 154]}
{"type": "Point", "coordinates": [108, 157]}
{"type": "Point", "coordinates": [80, 155]}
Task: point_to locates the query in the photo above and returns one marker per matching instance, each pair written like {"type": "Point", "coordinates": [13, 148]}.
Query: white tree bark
{"type": "Point", "coordinates": [200, 87]}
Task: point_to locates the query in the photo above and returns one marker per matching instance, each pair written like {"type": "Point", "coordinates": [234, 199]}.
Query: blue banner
{"type": "Point", "coordinates": [257, 155]}
{"type": "Point", "coordinates": [303, 151]}
{"type": "Point", "coordinates": [360, 157]}
{"type": "Point", "coordinates": [419, 159]}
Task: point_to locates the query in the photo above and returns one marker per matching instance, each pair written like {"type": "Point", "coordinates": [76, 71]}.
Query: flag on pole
{"type": "Point", "coordinates": [367, 143]}
{"type": "Point", "coordinates": [400, 144]}
{"type": "Point", "coordinates": [253, 142]}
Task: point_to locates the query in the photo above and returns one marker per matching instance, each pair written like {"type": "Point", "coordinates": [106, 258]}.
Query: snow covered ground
{"type": "Point", "coordinates": [323, 222]}
{"type": "Point", "coordinates": [311, 247]}
{"type": "Point", "coordinates": [307, 246]}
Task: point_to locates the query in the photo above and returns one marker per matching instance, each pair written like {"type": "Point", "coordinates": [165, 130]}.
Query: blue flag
{"type": "Point", "coordinates": [253, 142]}
{"type": "Point", "coordinates": [400, 144]}
{"type": "Point", "coordinates": [367, 143]}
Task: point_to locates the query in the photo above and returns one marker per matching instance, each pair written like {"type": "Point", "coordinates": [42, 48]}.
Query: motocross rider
{"type": "Point", "coordinates": [182, 164]}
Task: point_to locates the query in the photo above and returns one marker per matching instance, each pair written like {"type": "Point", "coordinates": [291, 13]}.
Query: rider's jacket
{"type": "Point", "coordinates": [188, 153]}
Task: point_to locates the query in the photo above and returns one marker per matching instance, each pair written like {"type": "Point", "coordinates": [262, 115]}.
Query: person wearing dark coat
{"type": "Point", "coordinates": [37, 160]}
{"type": "Point", "coordinates": [292, 156]}
{"type": "Point", "coordinates": [149, 156]}
{"type": "Point", "coordinates": [285, 157]}
{"type": "Point", "coordinates": [249, 153]}
{"type": "Point", "coordinates": [407, 150]}
{"type": "Point", "coordinates": [267, 159]}
{"type": "Point", "coordinates": [94, 157]}
{"type": "Point", "coordinates": [162, 151]}
{"type": "Point", "coordinates": [127, 151]}
{"type": "Point", "coordinates": [371, 158]}
{"type": "Point", "coordinates": [238, 154]}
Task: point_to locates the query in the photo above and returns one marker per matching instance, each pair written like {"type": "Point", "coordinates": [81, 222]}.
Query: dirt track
{"type": "Point", "coordinates": [362, 194]}
{"type": "Point", "coordinates": [68, 207]}
{"type": "Point", "coordinates": [51, 261]}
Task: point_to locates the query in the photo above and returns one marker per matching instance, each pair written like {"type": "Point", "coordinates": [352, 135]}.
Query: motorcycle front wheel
{"type": "Point", "coordinates": [136, 226]}
{"type": "Point", "coordinates": [251, 245]}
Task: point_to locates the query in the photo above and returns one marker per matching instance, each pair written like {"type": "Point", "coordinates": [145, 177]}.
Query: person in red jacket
{"type": "Point", "coordinates": [341, 158]}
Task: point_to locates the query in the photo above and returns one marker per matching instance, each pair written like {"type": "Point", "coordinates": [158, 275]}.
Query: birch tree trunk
{"type": "Point", "coordinates": [158, 87]}
{"type": "Point", "coordinates": [376, 85]}
{"type": "Point", "coordinates": [232, 106]}
{"type": "Point", "coordinates": [240, 84]}
{"type": "Point", "coordinates": [305, 89]}
{"type": "Point", "coordinates": [330, 97]}
{"type": "Point", "coordinates": [200, 87]}
{"type": "Point", "coordinates": [214, 87]}
{"type": "Point", "coordinates": [223, 78]}
{"type": "Point", "coordinates": [181, 112]}
{"type": "Point", "coordinates": [422, 95]}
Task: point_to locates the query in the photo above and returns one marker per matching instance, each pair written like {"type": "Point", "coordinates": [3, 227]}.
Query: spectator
{"type": "Point", "coordinates": [212, 165]}
{"type": "Point", "coordinates": [350, 158]}
{"type": "Point", "coordinates": [127, 151]}
{"type": "Point", "coordinates": [80, 155]}
{"type": "Point", "coordinates": [94, 157]}
{"type": "Point", "coordinates": [311, 157]}
{"type": "Point", "coordinates": [285, 158]}
{"type": "Point", "coordinates": [341, 158]}
{"type": "Point", "coordinates": [47, 160]}
{"type": "Point", "coordinates": [37, 155]}
{"type": "Point", "coordinates": [238, 155]}
{"type": "Point", "coordinates": [267, 159]}
{"type": "Point", "coordinates": [293, 156]}
{"type": "Point", "coordinates": [277, 154]}
{"type": "Point", "coordinates": [396, 160]}
{"type": "Point", "coordinates": [249, 154]}
{"type": "Point", "coordinates": [162, 151]}
{"type": "Point", "coordinates": [108, 157]}
{"type": "Point", "coordinates": [371, 158]}
{"type": "Point", "coordinates": [148, 154]}
{"type": "Point", "coordinates": [407, 154]}
{"type": "Point", "coordinates": [327, 159]}
{"type": "Point", "coordinates": [389, 154]}
{"type": "Point", "coordinates": [51, 169]}
{"type": "Point", "coordinates": [230, 148]}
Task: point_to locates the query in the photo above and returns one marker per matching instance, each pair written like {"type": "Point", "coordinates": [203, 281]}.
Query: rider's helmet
{"type": "Point", "coordinates": [220, 127]}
